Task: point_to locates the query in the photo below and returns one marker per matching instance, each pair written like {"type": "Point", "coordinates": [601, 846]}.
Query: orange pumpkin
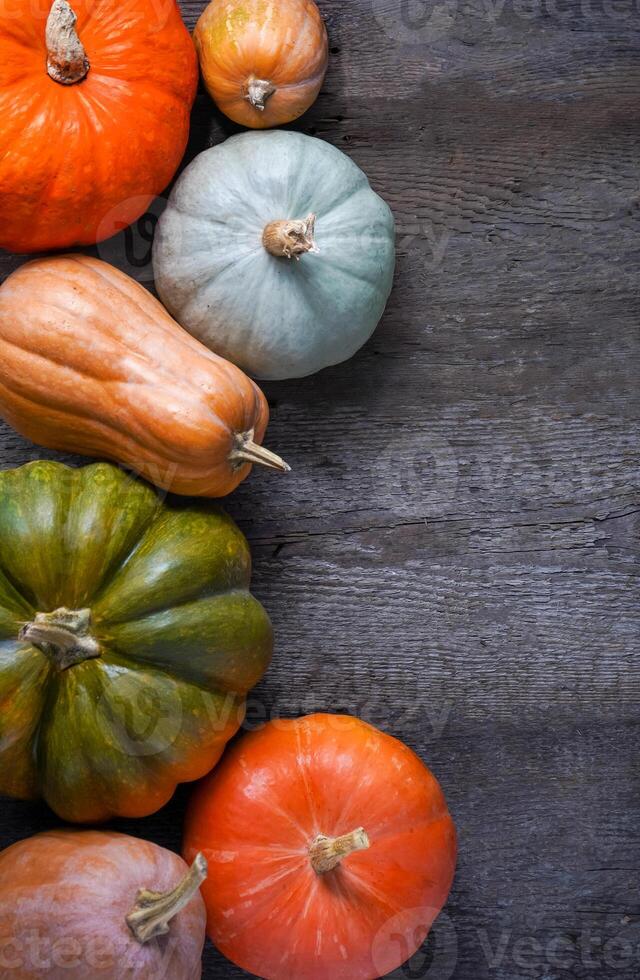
{"type": "Point", "coordinates": [330, 850]}
{"type": "Point", "coordinates": [90, 362]}
{"type": "Point", "coordinates": [95, 101]}
{"type": "Point", "coordinates": [262, 62]}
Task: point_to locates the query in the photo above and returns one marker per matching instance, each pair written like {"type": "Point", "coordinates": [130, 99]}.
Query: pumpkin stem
{"type": "Point", "coordinates": [258, 91]}
{"type": "Point", "coordinates": [63, 636]}
{"type": "Point", "coordinates": [67, 61]}
{"type": "Point", "coordinates": [290, 239]}
{"type": "Point", "coordinates": [245, 450]}
{"type": "Point", "coordinates": [153, 911]}
{"type": "Point", "coordinates": [326, 853]}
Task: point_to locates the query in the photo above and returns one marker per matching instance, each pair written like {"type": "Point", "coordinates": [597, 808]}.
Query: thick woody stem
{"type": "Point", "coordinates": [245, 450]}
{"type": "Point", "coordinates": [258, 91]}
{"type": "Point", "coordinates": [326, 853]}
{"type": "Point", "coordinates": [67, 62]}
{"type": "Point", "coordinates": [153, 911]}
{"type": "Point", "coordinates": [290, 239]}
{"type": "Point", "coordinates": [63, 636]}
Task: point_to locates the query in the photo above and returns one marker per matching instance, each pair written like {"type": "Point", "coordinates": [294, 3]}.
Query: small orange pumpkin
{"type": "Point", "coordinates": [95, 97]}
{"type": "Point", "coordinates": [90, 362]}
{"type": "Point", "coordinates": [330, 849]}
{"type": "Point", "coordinates": [263, 63]}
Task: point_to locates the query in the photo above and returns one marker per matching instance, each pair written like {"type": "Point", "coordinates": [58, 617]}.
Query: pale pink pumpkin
{"type": "Point", "coordinates": [79, 904]}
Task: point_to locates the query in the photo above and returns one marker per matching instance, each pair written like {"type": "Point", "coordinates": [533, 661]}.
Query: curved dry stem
{"type": "Point", "coordinates": [245, 450]}
{"type": "Point", "coordinates": [67, 61]}
{"type": "Point", "coordinates": [290, 239]}
{"type": "Point", "coordinates": [326, 853]}
{"type": "Point", "coordinates": [64, 636]}
{"type": "Point", "coordinates": [258, 91]}
{"type": "Point", "coordinates": [153, 911]}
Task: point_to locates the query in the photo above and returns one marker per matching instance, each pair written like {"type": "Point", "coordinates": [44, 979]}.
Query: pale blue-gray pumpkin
{"type": "Point", "coordinates": [275, 252]}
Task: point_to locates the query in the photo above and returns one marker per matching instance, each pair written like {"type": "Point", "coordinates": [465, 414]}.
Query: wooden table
{"type": "Point", "coordinates": [454, 555]}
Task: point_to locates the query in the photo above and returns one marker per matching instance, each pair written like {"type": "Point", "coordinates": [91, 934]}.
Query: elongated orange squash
{"type": "Point", "coordinates": [91, 363]}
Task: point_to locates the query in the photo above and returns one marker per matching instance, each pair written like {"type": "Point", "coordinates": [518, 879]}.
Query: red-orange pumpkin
{"type": "Point", "coordinates": [94, 101]}
{"type": "Point", "coordinates": [330, 850]}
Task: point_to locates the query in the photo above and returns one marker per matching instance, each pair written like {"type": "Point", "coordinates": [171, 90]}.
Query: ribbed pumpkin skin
{"type": "Point", "coordinates": [79, 162]}
{"type": "Point", "coordinates": [275, 317]}
{"type": "Point", "coordinates": [283, 42]}
{"type": "Point", "coordinates": [255, 817]}
{"type": "Point", "coordinates": [181, 640]}
{"type": "Point", "coordinates": [90, 362]}
{"type": "Point", "coordinates": [72, 890]}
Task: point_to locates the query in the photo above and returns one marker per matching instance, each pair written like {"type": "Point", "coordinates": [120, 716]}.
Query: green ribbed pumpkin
{"type": "Point", "coordinates": [128, 639]}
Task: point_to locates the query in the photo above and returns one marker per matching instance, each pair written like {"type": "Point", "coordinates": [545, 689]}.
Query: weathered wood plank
{"type": "Point", "coordinates": [455, 554]}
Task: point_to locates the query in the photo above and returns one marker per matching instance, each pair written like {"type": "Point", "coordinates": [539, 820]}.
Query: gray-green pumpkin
{"type": "Point", "coordinates": [275, 252]}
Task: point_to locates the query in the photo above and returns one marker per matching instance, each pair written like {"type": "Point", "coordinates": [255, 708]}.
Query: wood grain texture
{"type": "Point", "coordinates": [455, 553]}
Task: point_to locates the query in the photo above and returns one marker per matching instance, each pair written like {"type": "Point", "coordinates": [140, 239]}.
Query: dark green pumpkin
{"type": "Point", "coordinates": [128, 639]}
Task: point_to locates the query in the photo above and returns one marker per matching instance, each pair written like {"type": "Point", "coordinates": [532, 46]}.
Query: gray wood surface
{"type": "Point", "coordinates": [455, 553]}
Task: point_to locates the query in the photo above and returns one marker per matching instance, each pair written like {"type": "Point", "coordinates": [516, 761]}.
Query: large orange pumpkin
{"type": "Point", "coordinates": [330, 850]}
{"type": "Point", "coordinates": [262, 62]}
{"type": "Point", "coordinates": [94, 101]}
{"type": "Point", "coordinates": [90, 362]}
